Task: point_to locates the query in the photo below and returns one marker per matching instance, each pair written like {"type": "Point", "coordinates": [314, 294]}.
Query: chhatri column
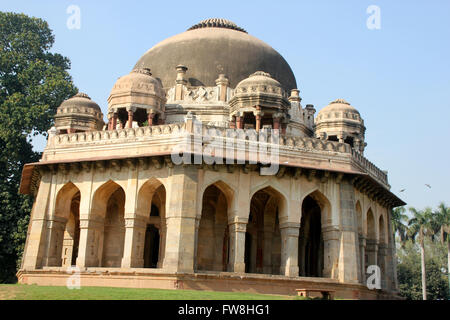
{"type": "Point", "coordinates": [150, 117]}
{"type": "Point", "coordinates": [114, 120]}
{"type": "Point", "coordinates": [130, 111]}
{"type": "Point", "coordinates": [258, 116]}
{"type": "Point", "coordinates": [289, 248]}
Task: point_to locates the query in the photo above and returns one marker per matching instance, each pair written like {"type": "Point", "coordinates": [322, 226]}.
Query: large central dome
{"type": "Point", "coordinates": [212, 47]}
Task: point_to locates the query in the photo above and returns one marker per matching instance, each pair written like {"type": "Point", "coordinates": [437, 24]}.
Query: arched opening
{"type": "Point", "coordinates": [155, 233]}
{"type": "Point", "coordinates": [114, 230]}
{"type": "Point", "coordinates": [310, 240]}
{"type": "Point", "coordinates": [371, 242]}
{"type": "Point", "coordinates": [66, 228]}
{"type": "Point", "coordinates": [263, 238]}
{"type": "Point", "coordinates": [359, 223]}
{"type": "Point", "coordinates": [213, 237]}
{"type": "Point", "coordinates": [382, 249]}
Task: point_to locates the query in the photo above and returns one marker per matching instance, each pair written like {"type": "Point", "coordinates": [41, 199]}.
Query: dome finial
{"type": "Point", "coordinates": [217, 23]}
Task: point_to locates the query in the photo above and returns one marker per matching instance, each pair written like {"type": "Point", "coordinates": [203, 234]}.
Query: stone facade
{"type": "Point", "coordinates": [138, 204]}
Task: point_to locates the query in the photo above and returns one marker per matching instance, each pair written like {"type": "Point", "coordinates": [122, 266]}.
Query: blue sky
{"type": "Point", "coordinates": [398, 77]}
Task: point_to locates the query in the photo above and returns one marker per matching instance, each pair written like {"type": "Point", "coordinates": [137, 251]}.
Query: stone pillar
{"type": "Point", "coordinates": [197, 228]}
{"type": "Point", "coordinates": [341, 138]}
{"type": "Point", "coordinates": [289, 248]}
{"type": "Point", "coordinates": [267, 256]}
{"type": "Point", "coordinates": [349, 239]}
{"type": "Point", "coordinates": [362, 255]}
{"type": "Point", "coordinates": [133, 253]}
{"type": "Point", "coordinates": [331, 238]}
{"type": "Point", "coordinates": [276, 123]}
{"type": "Point", "coordinates": [181, 219]}
{"type": "Point", "coordinates": [219, 234]}
{"type": "Point", "coordinates": [371, 252]}
{"type": "Point", "coordinates": [150, 117]}
{"type": "Point", "coordinates": [240, 122]}
{"type": "Point", "coordinates": [381, 260]}
{"type": "Point", "coordinates": [162, 243]}
{"type": "Point", "coordinates": [233, 122]}
{"type": "Point", "coordinates": [114, 123]}
{"type": "Point", "coordinates": [130, 111]}
{"type": "Point", "coordinates": [181, 81]}
{"type": "Point", "coordinates": [55, 238]}
{"type": "Point", "coordinates": [258, 116]}
{"type": "Point", "coordinates": [237, 229]}
{"type": "Point", "coordinates": [91, 242]}
{"type": "Point", "coordinates": [34, 250]}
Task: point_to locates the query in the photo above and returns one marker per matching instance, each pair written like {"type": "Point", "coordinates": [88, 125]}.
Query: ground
{"type": "Point", "coordinates": [34, 292]}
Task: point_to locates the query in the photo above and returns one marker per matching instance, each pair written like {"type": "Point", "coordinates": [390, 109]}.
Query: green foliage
{"type": "Point", "coordinates": [409, 270]}
{"type": "Point", "coordinates": [33, 83]}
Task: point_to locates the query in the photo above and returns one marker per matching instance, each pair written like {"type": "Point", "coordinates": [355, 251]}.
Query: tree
{"type": "Point", "coordinates": [399, 220]}
{"type": "Point", "coordinates": [443, 224]}
{"type": "Point", "coordinates": [33, 83]}
{"type": "Point", "coordinates": [421, 225]}
{"type": "Point", "coordinates": [409, 271]}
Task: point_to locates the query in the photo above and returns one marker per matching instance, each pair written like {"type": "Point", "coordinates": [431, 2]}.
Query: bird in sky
{"type": "Point", "coordinates": [428, 185]}
{"type": "Point", "coordinates": [402, 190]}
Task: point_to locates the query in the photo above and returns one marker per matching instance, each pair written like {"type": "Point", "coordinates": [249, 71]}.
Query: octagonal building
{"type": "Point", "coordinates": [210, 174]}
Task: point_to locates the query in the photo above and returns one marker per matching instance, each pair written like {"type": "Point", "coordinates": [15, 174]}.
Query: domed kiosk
{"type": "Point", "coordinates": [210, 175]}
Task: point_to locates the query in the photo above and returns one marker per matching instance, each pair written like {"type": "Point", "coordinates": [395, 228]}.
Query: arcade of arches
{"type": "Point", "coordinates": [261, 243]}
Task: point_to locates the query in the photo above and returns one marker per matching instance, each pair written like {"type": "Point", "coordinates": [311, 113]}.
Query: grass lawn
{"type": "Point", "coordinates": [34, 292]}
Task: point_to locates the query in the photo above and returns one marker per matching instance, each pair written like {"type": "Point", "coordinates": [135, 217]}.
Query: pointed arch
{"type": "Point", "coordinates": [146, 194]}
{"type": "Point", "coordinates": [101, 196]}
{"type": "Point", "coordinates": [359, 217]}
{"type": "Point", "coordinates": [370, 225]}
{"type": "Point", "coordinates": [64, 200]}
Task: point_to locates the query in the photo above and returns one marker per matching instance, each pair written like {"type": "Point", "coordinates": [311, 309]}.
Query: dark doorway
{"type": "Point", "coordinates": [310, 241]}
{"type": "Point", "coordinates": [247, 253]}
{"type": "Point", "coordinates": [151, 247]}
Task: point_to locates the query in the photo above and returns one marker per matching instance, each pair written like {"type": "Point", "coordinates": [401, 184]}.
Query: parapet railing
{"type": "Point", "coordinates": [214, 132]}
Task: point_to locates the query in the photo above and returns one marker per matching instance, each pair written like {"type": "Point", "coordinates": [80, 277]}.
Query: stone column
{"type": "Point", "coordinates": [237, 229]}
{"type": "Point", "coordinates": [240, 122]}
{"type": "Point", "coordinates": [197, 227]}
{"type": "Point", "coordinates": [276, 123]}
{"type": "Point", "coordinates": [267, 256]}
{"type": "Point", "coordinates": [372, 252]}
{"type": "Point", "coordinates": [219, 234]}
{"type": "Point", "coordinates": [233, 122]}
{"type": "Point", "coordinates": [162, 243]}
{"type": "Point", "coordinates": [331, 236]}
{"type": "Point", "coordinates": [289, 248]}
{"type": "Point", "coordinates": [91, 242]}
{"type": "Point", "coordinates": [381, 260]}
{"type": "Point", "coordinates": [114, 120]}
{"type": "Point", "coordinates": [55, 238]}
{"type": "Point", "coordinates": [34, 250]}
{"type": "Point", "coordinates": [133, 253]}
{"type": "Point", "coordinates": [150, 117]}
{"type": "Point", "coordinates": [258, 116]}
{"type": "Point", "coordinates": [130, 111]}
{"type": "Point", "coordinates": [181, 219]}
{"type": "Point", "coordinates": [362, 254]}
{"type": "Point", "coordinates": [349, 239]}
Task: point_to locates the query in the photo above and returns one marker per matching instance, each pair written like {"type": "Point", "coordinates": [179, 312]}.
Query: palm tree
{"type": "Point", "coordinates": [443, 224]}
{"type": "Point", "coordinates": [421, 224]}
{"type": "Point", "coordinates": [399, 220]}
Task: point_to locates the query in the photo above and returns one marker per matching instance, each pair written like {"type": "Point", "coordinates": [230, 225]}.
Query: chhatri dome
{"type": "Point", "coordinates": [213, 47]}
